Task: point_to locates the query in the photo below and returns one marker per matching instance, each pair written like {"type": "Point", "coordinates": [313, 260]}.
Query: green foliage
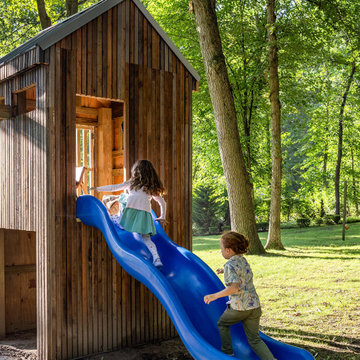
{"type": "Point", "coordinates": [352, 219]}
{"type": "Point", "coordinates": [262, 226]}
{"type": "Point", "coordinates": [19, 20]}
{"type": "Point", "coordinates": [314, 58]}
{"type": "Point", "coordinates": [318, 221]}
{"type": "Point", "coordinates": [303, 222]}
{"type": "Point", "coordinates": [289, 225]}
{"type": "Point", "coordinates": [318, 41]}
{"type": "Point", "coordinates": [331, 219]}
{"type": "Point", "coordinates": [205, 209]}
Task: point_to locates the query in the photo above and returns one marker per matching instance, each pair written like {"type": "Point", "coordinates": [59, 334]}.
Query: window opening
{"type": "Point", "coordinates": [84, 159]}
{"type": "Point", "coordinates": [24, 100]}
{"type": "Point", "coordinates": [99, 142]}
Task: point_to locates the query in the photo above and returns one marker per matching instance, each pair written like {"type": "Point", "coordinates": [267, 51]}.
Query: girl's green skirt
{"type": "Point", "coordinates": [138, 221]}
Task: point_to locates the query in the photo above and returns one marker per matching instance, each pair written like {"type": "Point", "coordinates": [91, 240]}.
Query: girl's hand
{"type": "Point", "coordinates": [220, 271]}
{"type": "Point", "coordinates": [92, 188]}
{"type": "Point", "coordinates": [209, 298]}
{"type": "Point", "coordinates": [161, 220]}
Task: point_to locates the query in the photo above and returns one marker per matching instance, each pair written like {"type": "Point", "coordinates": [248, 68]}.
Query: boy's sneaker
{"type": "Point", "coordinates": [157, 263]}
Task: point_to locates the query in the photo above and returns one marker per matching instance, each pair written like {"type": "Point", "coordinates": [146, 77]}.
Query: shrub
{"type": "Point", "coordinates": [303, 222]}
{"type": "Point", "coordinates": [352, 219]}
{"type": "Point", "coordinates": [203, 230]}
{"type": "Point", "coordinates": [213, 230]}
{"type": "Point", "coordinates": [288, 225]}
{"type": "Point", "coordinates": [262, 226]}
{"type": "Point", "coordinates": [318, 221]}
{"type": "Point", "coordinates": [328, 220]}
{"type": "Point", "coordinates": [331, 219]}
{"type": "Point", "coordinates": [205, 207]}
{"type": "Point", "coordinates": [336, 219]}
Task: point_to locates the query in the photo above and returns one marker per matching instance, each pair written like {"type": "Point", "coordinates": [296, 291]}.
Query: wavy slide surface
{"type": "Point", "coordinates": [180, 286]}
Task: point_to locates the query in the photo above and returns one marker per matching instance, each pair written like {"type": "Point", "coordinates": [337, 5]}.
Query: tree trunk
{"type": "Point", "coordinates": [237, 178]}
{"type": "Point", "coordinates": [44, 18]}
{"type": "Point", "coordinates": [340, 141]}
{"type": "Point", "coordinates": [356, 202]}
{"type": "Point", "coordinates": [274, 237]}
{"type": "Point", "coordinates": [71, 7]}
{"type": "Point", "coordinates": [326, 148]}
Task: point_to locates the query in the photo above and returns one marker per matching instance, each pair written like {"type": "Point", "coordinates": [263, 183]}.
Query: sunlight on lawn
{"type": "Point", "coordinates": [310, 293]}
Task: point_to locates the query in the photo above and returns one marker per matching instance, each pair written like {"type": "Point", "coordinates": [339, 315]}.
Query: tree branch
{"type": "Point", "coordinates": [44, 17]}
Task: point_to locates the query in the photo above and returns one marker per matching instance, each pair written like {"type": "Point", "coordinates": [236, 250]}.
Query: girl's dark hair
{"type": "Point", "coordinates": [235, 241]}
{"type": "Point", "coordinates": [144, 175]}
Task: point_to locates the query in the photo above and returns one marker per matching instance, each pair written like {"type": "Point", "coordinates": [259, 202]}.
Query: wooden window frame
{"type": "Point", "coordinates": [85, 136]}
{"type": "Point", "coordinates": [24, 101]}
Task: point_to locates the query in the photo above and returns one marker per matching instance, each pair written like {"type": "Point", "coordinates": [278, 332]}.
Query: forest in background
{"type": "Point", "coordinates": [318, 44]}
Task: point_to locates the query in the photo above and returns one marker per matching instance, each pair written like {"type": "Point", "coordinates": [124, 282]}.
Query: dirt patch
{"type": "Point", "coordinates": [166, 350]}
{"type": "Point", "coordinates": [22, 346]}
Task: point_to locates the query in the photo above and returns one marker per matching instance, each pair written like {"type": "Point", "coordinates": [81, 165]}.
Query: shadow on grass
{"type": "Point", "coordinates": [324, 346]}
{"type": "Point", "coordinates": [291, 255]}
{"type": "Point", "coordinates": [291, 252]}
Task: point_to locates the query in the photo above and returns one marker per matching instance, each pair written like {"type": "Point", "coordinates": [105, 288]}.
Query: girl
{"type": "Point", "coordinates": [244, 304]}
{"type": "Point", "coordinates": [143, 186]}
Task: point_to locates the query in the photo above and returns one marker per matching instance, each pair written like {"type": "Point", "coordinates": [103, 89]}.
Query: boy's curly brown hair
{"type": "Point", "coordinates": [235, 241]}
{"type": "Point", "coordinates": [144, 175]}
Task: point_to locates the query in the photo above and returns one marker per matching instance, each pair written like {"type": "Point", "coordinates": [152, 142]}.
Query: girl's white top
{"type": "Point", "coordinates": [137, 199]}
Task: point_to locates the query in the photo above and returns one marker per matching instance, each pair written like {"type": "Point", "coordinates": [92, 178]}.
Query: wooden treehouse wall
{"type": "Point", "coordinates": [95, 305]}
{"type": "Point", "coordinates": [24, 188]}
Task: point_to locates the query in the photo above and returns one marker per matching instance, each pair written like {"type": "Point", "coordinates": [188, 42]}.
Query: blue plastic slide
{"type": "Point", "coordinates": [180, 286]}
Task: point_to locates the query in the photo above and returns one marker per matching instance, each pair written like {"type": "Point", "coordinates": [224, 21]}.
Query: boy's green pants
{"type": "Point", "coordinates": [250, 320]}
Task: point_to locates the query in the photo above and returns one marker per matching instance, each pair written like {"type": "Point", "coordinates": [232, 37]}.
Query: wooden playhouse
{"type": "Point", "coordinates": [89, 95]}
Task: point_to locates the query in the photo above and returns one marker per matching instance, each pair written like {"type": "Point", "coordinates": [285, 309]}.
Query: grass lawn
{"type": "Point", "coordinates": [310, 293]}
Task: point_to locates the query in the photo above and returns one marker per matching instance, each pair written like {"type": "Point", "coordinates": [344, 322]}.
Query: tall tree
{"type": "Point", "coordinates": [354, 186]}
{"type": "Point", "coordinates": [340, 139]}
{"type": "Point", "coordinates": [237, 178]}
{"type": "Point", "coordinates": [274, 237]}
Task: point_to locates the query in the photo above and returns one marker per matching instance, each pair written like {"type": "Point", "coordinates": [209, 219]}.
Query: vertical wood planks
{"type": "Point", "coordinates": [105, 147]}
{"type": "Point", "coordinates": [86, 302]}
{"type": "Point", "coordinates": [2, 285]}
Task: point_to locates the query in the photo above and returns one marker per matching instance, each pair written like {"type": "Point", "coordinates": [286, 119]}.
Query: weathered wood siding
{"type": "Point", "coordinates": [24, 178]}
{"type": "Point", "coordinates": [97, 306]}
{"type": "Point", "coordinates": [20, 63]}
{"type": "Point", "coordinates": [85, 302]}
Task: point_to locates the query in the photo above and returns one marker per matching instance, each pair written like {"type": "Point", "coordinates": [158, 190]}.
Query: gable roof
{"type": "Point", "coordinates": [48, 37]}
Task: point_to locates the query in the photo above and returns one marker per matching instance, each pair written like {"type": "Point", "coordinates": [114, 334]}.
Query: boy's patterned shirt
{"type": "Point", "coordinates": [237, 270]}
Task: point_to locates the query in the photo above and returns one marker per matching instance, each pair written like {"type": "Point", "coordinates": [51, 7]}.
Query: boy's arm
{"type": "Point", "coordinates": [233, 288]}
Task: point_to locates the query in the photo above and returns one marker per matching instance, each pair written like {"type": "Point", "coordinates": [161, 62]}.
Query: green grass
{"type": "Point", "coordinates": [310, 293]}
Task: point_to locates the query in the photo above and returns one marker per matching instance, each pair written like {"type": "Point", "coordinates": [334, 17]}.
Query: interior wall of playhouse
{"type": "Point", "coordinates": [94, 102]}
{"type": "Point", "coordinates": [17, 281]}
